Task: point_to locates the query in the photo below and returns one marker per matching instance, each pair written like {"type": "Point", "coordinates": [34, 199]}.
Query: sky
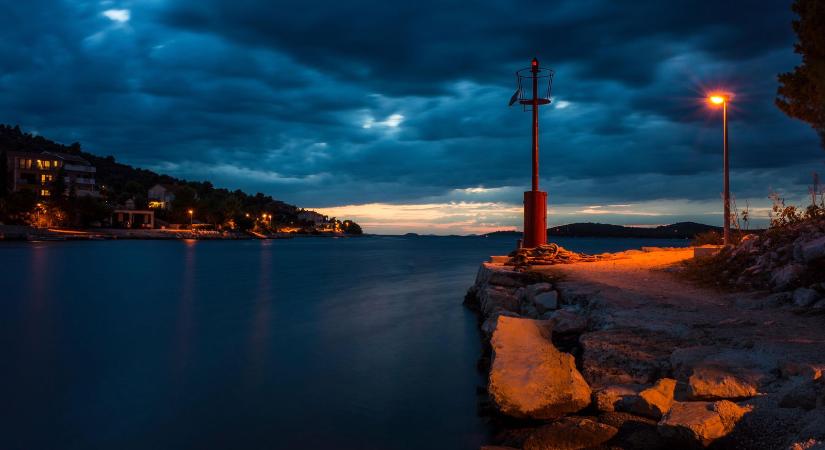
{"type": "Point", "coordinates": [395, 114]}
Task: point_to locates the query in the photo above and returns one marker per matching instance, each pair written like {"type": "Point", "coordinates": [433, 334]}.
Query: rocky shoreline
{"type": "Point", "coordinates": [619, 354]}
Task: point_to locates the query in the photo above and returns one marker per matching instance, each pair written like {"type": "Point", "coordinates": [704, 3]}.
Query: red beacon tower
{"type": "Point", "coordinates": [534, 84]}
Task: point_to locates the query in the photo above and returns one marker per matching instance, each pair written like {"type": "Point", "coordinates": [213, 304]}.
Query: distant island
{"type": "Point", "coordinates": [45, 184]}
{"type": "Point", "coordinates": [681, 230]}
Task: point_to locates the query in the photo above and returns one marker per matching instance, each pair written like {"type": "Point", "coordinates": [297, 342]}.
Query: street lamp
{"type": "Point", "coordinates": [723, 99]}
{"type": "Point", "coordinates": [191, 218]}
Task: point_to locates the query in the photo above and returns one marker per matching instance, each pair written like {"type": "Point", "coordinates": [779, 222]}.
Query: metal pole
{"type": "Point", "coordinates": [727, 175]}
{"type": "Point", "coordinates": [535, 70]}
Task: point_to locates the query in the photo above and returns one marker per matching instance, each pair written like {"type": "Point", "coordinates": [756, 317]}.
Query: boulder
{"type": "Point", "coordinates": [804, 297]}
{"type": "Point", "coordinates": [809, 371]}
{"type": "Point", "coordinates": [625, 356]}
{"type": "Point", "coordinates": [532, 290]}
{"type": "Point", "coordinates": [717, 373]}
{"type": "Point", "coordinates": [653, 402]}
{"type": "Point", "coordinates": [570, 433]}
{"type": "Point", "coordinates": [546, 301]}
{"type": "Point", "coordinates": [529, 377]}
{"type": "Point", "coordinates": [489, 325]}
{"type": "Point", "coordinates": [807, 395]}
{"type": "Point", "coordinates": [813, 250]}
{"type": "Point", "coordinates": [498, 275]}
{"type": "Point", "coordinates": [494, 298]}
{"type": "Point", "coordinates": [700, 422]}
{"type": "Point", "coordinates": [811, 435]}
{"type": "Point", "coordinates": [567, 322]}
{"type": "Point", "coordinates": [506, 278]}
{"type": "Point", "coordinates": [809, 444]}
{"type": "Point", "coordinates": [608, 398]}
{"type": "Point", "coordinates": [787, 275]}
{"type": "Point", "coordinates": [713, 383]}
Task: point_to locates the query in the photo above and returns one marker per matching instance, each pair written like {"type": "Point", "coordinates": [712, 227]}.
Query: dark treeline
{"type": "Point", "coordinates": [120, 183]}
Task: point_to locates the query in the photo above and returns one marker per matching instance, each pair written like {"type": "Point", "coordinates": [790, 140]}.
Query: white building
{"type": "Point", "coordinates": [160, 197]}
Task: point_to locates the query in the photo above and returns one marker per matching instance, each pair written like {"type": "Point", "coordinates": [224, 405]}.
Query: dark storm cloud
{"type": "Point", "coordinates": [328, 103]}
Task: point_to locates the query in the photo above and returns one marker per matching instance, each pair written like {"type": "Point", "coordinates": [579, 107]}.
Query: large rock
{"type": "Point", "coordinates": [787, 275]}
{"type": "Point", "coordinates": [570, 433]}
{"type": "Point", "coordinates": [529, 377]}
{"type": "Point", "coordinates": [567, 322]}
{"type": "Point", "coordinates": [498, 275]}
{"type": "Point", "coordinates": [811, 435]}
{"type": "Point", "coordinates": [652, 402]}
{"type": "Point", "coordinates": [714, 383]}
{"type": "Point", "coordinates": [532, 290]}
{"type": "Point", "coordinates": [546, 301]}
{"type": "Point", "coordinates": [489, 325]}
{"type": "Point", "coordinates": [813, 250]}
{"type": "Point", "coordinates": [609, 398]}
{"type": "Point", "coordinates": [804, 297]}
{"type": "Point", "coordinates": [719, 373]}
{"type": "Point", "coordinates": [807, 395]}
{"type": "Point", "coordinates": [700, 422]}
{"type": "Point", "coordinates": [497, 298]}
{"type": "Point", "coordinates": [625, 356]}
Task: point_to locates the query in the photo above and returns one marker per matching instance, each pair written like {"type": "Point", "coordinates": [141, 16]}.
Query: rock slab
{"type": "Point", "coordinates": [570, 433]}
{"type": "Point", "coordinates": [529, 377]}
{"type": "Point", "coordinates": [700, 422]}
{"type": "Point", "coordinates": [652, 402]}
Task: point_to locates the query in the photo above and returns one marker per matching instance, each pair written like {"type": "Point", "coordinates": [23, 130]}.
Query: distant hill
{"type": "Point", "coordinates": [681, 230]}
{"type": "Point", "coordinates": [119, 182]}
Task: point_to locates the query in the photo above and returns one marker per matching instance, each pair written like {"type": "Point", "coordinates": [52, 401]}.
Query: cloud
{"type": "Point", "coordinates": [409, 107]}
{"type": "Point", "coordinates": [117, 15]}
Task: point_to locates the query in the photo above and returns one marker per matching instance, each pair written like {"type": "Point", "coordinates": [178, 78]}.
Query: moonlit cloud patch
{"type": "Point", "coordinates": [117, 15]}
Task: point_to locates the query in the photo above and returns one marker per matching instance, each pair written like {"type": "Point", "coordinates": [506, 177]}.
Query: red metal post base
{"type": "Point", "coordinates": [535, 219]}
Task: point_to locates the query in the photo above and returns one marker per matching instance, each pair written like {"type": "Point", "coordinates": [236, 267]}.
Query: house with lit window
{"type": "Point", "coordinates": [38, 171]}
{"type": "Point", "coordinates": [312, 216]}
{"type": "Point", "coordinates": [160, 196]}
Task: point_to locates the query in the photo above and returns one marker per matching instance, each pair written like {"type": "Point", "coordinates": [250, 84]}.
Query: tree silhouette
{"type": "Point", "coordinates": [801, 93]}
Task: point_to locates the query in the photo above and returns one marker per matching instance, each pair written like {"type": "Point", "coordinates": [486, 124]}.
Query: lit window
{"type": "Point", "coordinates": [21, 163]}
{"type": "Point", "coordinates": [46, 178]}
{"type": "Point", "coordinates": [47, 164]}
{"type": "Point", "coordinates": [45, 193]}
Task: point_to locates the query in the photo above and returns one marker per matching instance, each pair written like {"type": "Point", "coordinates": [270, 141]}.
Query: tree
{"type": "Point", "coordinates": [801, 93]}
{"type": "Point", "coordinates": [59, 183]}
{"type": "Point", "coordinates": [4, 182]}
{"type": "Point", "coordinates": [351, 227]}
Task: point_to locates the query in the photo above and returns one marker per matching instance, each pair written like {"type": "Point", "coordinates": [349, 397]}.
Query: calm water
{"type": "Point", "coordinates": [303, 343]}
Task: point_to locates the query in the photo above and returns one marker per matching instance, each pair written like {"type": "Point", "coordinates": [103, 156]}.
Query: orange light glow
{"type": "Point", "coordinates": [717, 99]}
{"type": "Point", "coordinates": [191, 212]}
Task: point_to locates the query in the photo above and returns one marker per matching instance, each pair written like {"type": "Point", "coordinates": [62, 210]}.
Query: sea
{"type": "Point", "coordinates": [306, 343]}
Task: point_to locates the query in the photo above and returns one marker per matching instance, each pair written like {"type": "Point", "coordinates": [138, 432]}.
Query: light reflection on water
{"type": "Point", "coordinates": [305, 343]}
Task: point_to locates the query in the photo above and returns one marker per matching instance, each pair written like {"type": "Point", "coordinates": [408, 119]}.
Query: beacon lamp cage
{"type": "Point", "coordinates": [544, 82]}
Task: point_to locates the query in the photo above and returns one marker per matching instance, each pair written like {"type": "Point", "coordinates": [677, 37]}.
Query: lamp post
{"type": "Point", "coordinates": [723, 99]}
{"type": "Point", "coordinates": [191, 218]}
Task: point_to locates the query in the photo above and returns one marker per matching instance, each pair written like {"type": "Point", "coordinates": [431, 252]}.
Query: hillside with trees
{"type": "Point", "coordinates": [121, 183]}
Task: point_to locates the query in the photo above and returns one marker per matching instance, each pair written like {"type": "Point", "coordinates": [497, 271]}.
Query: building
{"type": "Point", "coordinates": [133, 218]}
{"type": "Point", "coordinates": [312, 216]}
{"type": "Point", "coordinates": [129, 217]}
{"type": "Point", "coordinates": [38, 171]}
{"type": "Point", "coordinates": [160, 197]}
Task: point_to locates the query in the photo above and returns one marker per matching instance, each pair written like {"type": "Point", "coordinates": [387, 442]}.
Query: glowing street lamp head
{"type": "Point", "coordinates": [191, 212]}
{"type": "Point", "coordinates": [717, 99]}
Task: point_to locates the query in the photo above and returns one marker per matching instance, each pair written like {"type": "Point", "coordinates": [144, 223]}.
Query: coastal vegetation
{"type": "Point", "coordinates": [120, 184]}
